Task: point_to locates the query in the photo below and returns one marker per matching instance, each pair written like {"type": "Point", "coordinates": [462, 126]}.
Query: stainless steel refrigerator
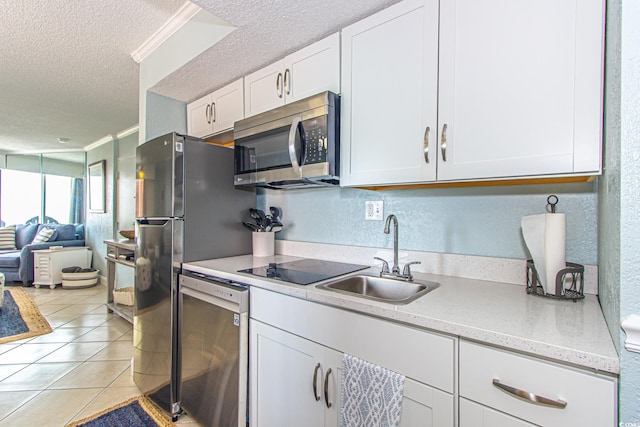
{"type": "Point", "coordinates": [187, 209]}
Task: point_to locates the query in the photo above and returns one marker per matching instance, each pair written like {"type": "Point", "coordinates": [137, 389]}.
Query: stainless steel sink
{"type": "Point", "coordinates": [381, 289]}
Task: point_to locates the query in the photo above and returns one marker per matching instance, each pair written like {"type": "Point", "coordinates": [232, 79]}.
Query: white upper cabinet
{"type": "Point", "coordinates": [488, 89]}
{"type": "Point", "coordinates": [311, 70]}
{"type": "Point", "coordinates": [389, 96]}
{"type": "Point", "coordinates": [520, 88]}
{"type": "Point", "coordinates": [217, 111]}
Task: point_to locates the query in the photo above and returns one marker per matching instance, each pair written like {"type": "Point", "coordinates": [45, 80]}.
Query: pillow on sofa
{"type": "Point", "coordinates": [8, 237]}
{"type": "Point", "coordinates": [65, 232]}
{"type": "Point", "coordinates": [25, 234]}
{"type": "Point", "coordinates": [44, 235]}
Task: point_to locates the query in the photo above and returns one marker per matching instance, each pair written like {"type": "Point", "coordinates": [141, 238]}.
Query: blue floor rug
{"type": "Point", "coordinates": [135, 412]}
{"type": "Point", "coordinates": [20, 317]}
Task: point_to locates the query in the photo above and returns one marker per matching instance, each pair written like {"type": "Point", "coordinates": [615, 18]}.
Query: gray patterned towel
{"type": "Point", "coordinates": [371, 395]}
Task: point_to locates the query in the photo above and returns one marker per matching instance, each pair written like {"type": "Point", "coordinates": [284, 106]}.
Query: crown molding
{"type": "Point", "coordinates": [112, 137]}
{"type": "Point", "coordinates": [128, 131]}
{"type": "Point", "coordinates": [173, 24]}
{"type": "Point", "coordinates": [101, 141]}
{"type": "Point", "coordinates": [59, 150]}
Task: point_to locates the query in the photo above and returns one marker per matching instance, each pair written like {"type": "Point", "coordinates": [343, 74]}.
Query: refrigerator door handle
{"type": "Point", "coordinates": [153, 222]}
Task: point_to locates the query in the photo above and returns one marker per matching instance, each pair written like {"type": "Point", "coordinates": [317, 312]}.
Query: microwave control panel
{"type": "Point", "coordinates": [315, 140]}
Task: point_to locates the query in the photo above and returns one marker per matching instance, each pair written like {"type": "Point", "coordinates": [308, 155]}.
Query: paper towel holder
{"type": "Point", "coordinates": [569, 282]}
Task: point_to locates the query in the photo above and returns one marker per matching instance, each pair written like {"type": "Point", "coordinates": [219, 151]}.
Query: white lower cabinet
{"type": "Point", "coordinates": [531, 390]}
{"type": "Point", "coordinates": [475, 415]}
{"type": "Point", "coordinates": [288, 379]}
{"type": "Point", "coordinates": [295, 378]}
{"type": "Point", "coordinates": [296, 351]}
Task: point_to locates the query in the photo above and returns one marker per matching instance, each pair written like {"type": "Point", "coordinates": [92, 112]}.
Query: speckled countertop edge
{"type": "Point", "coordinates": [494, 313]}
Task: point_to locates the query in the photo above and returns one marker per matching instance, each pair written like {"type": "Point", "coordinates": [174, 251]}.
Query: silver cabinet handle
{"type": "Point", "coordinates": [326, 389]}
{"type": "Point", "coordinates": [213, 112]}
{"type": "Point", "coordinates": [279, 85]}
{"type": "Point", "coordinates": [425, 144]}
{"type": "Point", "coordinates": [287, 81]}
{"type": "Point", "coordinates": [293, 156]}
{"type": "Point", "coordinates": [443, 142]}
{"type": "Point", "coordinates": [315, 383]}
{"type": "Point", "coordinates": [529, 397]}
{"type": "Point", "coordinates": [207, 113]}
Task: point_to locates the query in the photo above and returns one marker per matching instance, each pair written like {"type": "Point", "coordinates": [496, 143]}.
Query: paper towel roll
{"type": "Point", "coordinates": [545, 237]}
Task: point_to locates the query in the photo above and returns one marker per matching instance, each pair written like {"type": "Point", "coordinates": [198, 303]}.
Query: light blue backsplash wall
{"type": "Point", "coordinates": [473, 221]}
{"type": "Point", "coordinates": [620, 195]}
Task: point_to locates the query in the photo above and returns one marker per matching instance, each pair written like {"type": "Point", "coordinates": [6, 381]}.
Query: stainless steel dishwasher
{"type": "Point", "coordinates": [213, 346]}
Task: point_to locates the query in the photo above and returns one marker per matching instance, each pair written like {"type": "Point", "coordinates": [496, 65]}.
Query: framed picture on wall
{"type": "Point", "coordinates": [96, 187]}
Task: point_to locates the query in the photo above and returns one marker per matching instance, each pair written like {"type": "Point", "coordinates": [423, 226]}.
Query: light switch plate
{"type": "Point", "coordinates": [373, 210]}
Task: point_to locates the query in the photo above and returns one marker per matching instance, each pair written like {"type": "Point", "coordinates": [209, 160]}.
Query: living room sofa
{"type": "Point", "coordinates": [17, 264]}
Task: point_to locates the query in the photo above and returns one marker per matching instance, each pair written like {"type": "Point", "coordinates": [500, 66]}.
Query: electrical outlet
{"type": "Point", "coordinates": [373, 210]}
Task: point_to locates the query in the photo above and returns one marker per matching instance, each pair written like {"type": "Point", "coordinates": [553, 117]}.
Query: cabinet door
{"type": "Point", "coordinates": [332, 386]}
{"type": "Point", "coordinates": [313, 69]}
{"type": "Point", "coordinates": [424, 406]}
{"type": "Point", "coordinates": [227, 106]}
{"type": "Point", "coordinates": [42, 269]}
{"type": "Point", "coordinates": [475, 415]}
{"type": "Point", "coordinates": [519, 88]}
{"type": "Point", "coordinates": [389, 96]}
{"type": "Point", "coordinates": [263, 89]}
{"type": "Point", "coordinates": [282, 372]}
{"type": "Point", "coordinates": [199, 117]}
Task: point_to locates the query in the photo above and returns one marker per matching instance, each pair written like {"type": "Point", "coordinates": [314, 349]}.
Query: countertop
{"type": "Point", "coordinates": [495, 313]}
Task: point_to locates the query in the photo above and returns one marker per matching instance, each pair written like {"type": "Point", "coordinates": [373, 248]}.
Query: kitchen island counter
{"type": "Point", "coordinates": [500, 314]}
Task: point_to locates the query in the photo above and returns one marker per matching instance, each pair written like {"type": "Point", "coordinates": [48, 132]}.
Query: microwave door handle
{"type": "Point", "coordinates": [293, 155]}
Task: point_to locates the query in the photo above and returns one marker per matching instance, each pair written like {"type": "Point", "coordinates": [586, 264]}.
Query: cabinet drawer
{"type": "Point", "coordinates": [590, 398]}
{"type": "Point", "coordinates": [112, 251]}
{"type": "Point", "coordinates": [427, 357]}
{"type": "Point", "coordinates": [474, 415]}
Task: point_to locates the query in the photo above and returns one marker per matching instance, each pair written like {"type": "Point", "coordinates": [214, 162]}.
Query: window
{"type": "Point", "coordinates": [20, 197]}
{"type": "Point", "coordinates": [45, 188]}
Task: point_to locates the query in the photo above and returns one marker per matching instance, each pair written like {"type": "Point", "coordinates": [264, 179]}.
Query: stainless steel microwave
{"type": "Point", "coordinates": [296, 145]}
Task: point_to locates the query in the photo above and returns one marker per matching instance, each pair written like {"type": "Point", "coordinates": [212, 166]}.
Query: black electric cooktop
{"type": "Point", "coordinates": [304, 271]}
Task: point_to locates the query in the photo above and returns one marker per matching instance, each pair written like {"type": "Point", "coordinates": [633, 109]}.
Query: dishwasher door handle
{"type": "Point", "coordinates": [210, 299]}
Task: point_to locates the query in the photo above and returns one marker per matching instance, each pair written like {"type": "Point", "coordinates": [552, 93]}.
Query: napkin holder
{"type": "Point", "coordinates": [569, 282]}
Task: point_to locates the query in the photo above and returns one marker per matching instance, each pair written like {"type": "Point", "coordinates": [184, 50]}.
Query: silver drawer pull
{"type": "Point", "coordinates": [529, 397]}
{"type": "Point", "coordinates": [315, 383]}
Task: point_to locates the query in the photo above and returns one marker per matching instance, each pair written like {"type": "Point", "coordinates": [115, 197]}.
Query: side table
{"type": "Point", "coordinates": [118, 252]}
{"type": "Point", "coordinates": [48, 263]}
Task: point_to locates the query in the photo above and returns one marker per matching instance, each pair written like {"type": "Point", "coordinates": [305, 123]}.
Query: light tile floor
{"type": "Point", "coordinates": [81, 368]}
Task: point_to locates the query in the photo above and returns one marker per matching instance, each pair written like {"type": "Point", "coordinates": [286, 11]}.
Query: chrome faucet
{"type": "Point", "coordinates": [395, 270]}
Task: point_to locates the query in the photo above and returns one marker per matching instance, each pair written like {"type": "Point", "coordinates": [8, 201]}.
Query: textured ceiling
{"type": "Point", "coordinates": [267, 30]}
{"type": "Point", "coordinates": [66, 69]}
